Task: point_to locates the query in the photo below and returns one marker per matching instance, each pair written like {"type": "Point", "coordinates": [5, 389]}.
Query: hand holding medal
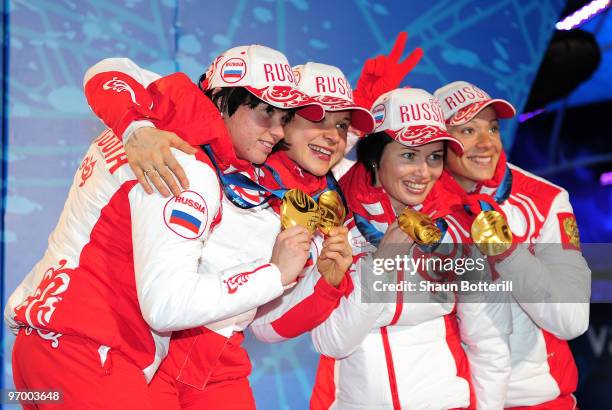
{"type": "Point", "coordinates": [336, 256]}
{"type": "Point", "coordinates": [327, 215]}
{"type": "Point", "coordinates": [419, 227]}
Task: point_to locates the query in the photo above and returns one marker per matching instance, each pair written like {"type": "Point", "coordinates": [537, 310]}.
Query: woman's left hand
{"type": "Point", "coordinates": [336, 257]}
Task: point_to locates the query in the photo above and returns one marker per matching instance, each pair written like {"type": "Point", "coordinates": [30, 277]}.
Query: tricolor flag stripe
{"type": "Point", "coordinates": [185, 220]}
{"type": "Point", "coordinates": [232, 73]}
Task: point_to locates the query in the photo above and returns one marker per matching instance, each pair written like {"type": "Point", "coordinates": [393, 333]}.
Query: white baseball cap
{"type": "Point", "coordinates": [328, 86]}
{"type": "Point", "coordinates": [265, 73]}
{"type": "Point", "coordinates": [461, 101]}
{"type": "Point", "coordinates": [413, 117]}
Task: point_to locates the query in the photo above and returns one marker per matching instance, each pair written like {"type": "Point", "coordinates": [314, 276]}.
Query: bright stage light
{"type": "Point", "coordinates": [583, 15]}
{"type": "Point", "coordinates": [606, 178]}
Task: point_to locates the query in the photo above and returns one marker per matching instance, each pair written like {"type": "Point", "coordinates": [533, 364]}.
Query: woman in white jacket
{"type": "Point", "coordinates": [408, 354]}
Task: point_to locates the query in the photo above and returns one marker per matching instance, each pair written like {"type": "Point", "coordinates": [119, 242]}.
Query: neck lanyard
{"type": "Point", "coordinates": [332, 185]}
{"type": "Point", "coordinates": [240, 180]}
{"type": "Point", "coordinates": [501, 193]}
{"type": "Point", "coordinates": [374, 236]}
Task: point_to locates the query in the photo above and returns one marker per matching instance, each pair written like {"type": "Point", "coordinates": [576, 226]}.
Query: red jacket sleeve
{"type": "Point", "coordinates": [118, 99]}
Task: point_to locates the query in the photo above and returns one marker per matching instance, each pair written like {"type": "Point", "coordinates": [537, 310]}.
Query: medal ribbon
{"type": "Point", "coordinates": [240, 180]}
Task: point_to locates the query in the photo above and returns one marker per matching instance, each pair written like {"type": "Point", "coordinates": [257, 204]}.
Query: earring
{"type": "Point", "coordinates": [374, 165]}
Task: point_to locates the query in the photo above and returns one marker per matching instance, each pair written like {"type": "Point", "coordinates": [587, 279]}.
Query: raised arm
{"type": "Point", "coordinates": [118, 92]}
{"type": "Point", "coordinates": [357, 314]}
{"type": "Point", "coordinates": [385, 72]}
{"type": "Point", "coordinates": [347, 325]}
{"type": "Point", "coordinates": [312, 299]}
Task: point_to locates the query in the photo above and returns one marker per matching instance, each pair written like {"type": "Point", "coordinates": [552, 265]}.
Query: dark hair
{"type": "Point", "coordinates": [370, 150]}
{"type": "Point", "coordinates": [281, 146]}
{"type": "Point", "coordinates": [228, 99]}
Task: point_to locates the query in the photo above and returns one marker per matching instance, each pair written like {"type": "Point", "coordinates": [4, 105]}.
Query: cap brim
{"type": "Point", "coordinates": [287, 98]}
{"type": "Point", "coordinates": [417, 136]}
{"type": "Point", "coordinates": [361, 118]}
{"type": "Point", "coordinates": [502, 108]}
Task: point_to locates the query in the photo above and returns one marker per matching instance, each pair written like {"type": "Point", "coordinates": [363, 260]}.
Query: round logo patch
{"type": "Point", "coordinates": [233, 70]}
{"type": "Point", "coordinates": [186, 215]}
{"type": "Point", "coordinates": [379, 112]}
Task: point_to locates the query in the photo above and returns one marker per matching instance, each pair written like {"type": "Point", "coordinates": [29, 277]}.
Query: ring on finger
{"type": "Point", "coordinates": [147, 171]}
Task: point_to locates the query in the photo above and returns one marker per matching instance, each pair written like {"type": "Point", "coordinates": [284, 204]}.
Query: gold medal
{"type": "Point", "coordinates": [298, 208]}
{"type": "Point", "coordinates": [419, 227]}
{"type": "Point", "coordinates": [332, 211]}
{"type": "Point", "coordinates": [491, 233]}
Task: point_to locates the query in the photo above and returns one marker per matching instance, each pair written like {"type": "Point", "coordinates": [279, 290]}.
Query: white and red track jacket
{"type": "Point", "coordinates": [546, 263]}
{"type": "Point", "coordinates": [408, 354]}
{"type": "Point", "coordinates": [124, 268]}
{"type": "Point", "coordinates": [212, 353]}
{"type": "Point", "coordinates": [308, 303]}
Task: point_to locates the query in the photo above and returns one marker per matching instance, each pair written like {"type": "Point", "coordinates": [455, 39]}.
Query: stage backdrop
{"type": "Point", "coordinates": [497, 45]}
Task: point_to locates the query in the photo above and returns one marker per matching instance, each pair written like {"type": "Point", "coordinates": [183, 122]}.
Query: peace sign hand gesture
{"type": "Point", "coordinates": [385, 72]}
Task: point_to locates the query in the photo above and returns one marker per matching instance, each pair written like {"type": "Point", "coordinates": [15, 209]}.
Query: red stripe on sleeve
{"type": "Point", "coordinates": [313, 310]}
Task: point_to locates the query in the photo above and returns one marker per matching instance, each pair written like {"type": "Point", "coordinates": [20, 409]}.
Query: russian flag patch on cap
{"type": "Point", "coordinates": [233, 70]}
{"type": "Point", "coordinates": [186, 215]}
{"type": "Point", "coordinates": [379, 113]}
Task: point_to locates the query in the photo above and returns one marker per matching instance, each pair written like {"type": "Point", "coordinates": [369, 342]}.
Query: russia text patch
{"type": "Point", "coordinates": [186, 215]}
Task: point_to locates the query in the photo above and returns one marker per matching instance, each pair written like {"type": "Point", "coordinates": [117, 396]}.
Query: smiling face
{"type": "Point", "coordinates": [482, 141]}
{"type": "Point", "coordinates": [317, 146]}
{"type": "Point", "coordinates": [254, 131]}
{"type": "Point", "coordinates": [408, 173]}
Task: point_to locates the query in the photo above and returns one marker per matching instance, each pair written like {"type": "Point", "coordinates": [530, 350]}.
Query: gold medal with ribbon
{"type": "Point", "coordinates": [419, 227]}
{"type": "Point", "coordinates": [298, 208]}
{"type": "Point", "coordinates": [491, 233]}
